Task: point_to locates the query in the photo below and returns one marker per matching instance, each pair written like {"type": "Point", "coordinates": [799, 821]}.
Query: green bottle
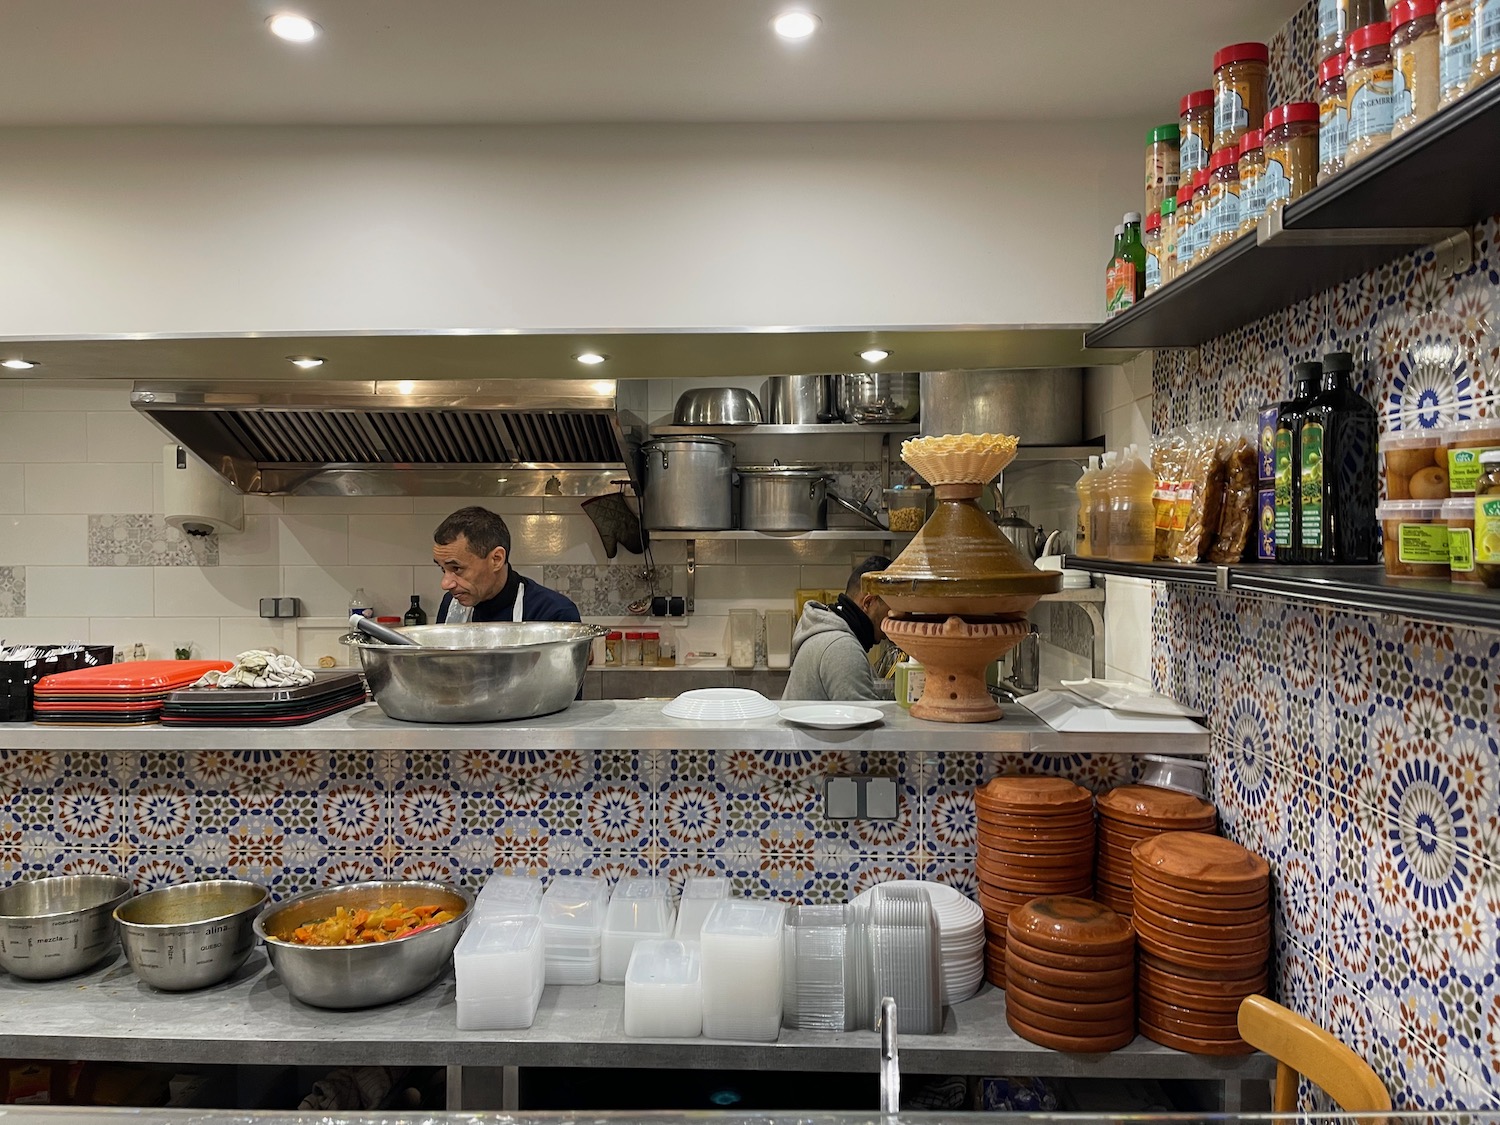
{"type": "Point", "coordinates": [1110, 309]}
{"type": "Point", "coordinates": [1133, 250]}
{"type": "Point", "coordinates": [1288, 521]}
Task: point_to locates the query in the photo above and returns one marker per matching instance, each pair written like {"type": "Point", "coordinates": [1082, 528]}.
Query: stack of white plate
{"type": "Point", "coordinates": [639, 908]}
{"type": "Point", "coordinates": [720, 705]}
{"type": "Point", "coordinates": [905, 954]}
{"type": "Point", "coordinates": [506, 896]}
{"type": "Point", "coordinates": [699, 893]}
{"type": "Point", "coordinates": [960, 937]}
{"type": "Point", "coordinates": [664, 990]}
{"type": "Point", "coordinates": [499, 967]}
{"type": "Point", "coordinates": [573, 928]}
{"type": "Point", "coordinates": [742, 949]}
{"type": "Point", "coordinates": [815, 964]}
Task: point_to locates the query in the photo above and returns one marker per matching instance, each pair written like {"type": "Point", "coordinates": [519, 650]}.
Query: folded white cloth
{"type": "Point", "coordinates": [259, 668]}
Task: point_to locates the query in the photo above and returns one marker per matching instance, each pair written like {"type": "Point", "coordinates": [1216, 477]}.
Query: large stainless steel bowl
{"type": "Point", "coordinates": [718, 406]}
{"type": "Point", "coordinates": [479, 673]}
{"type": "Point", "coordinates": [56, 927]}
{"type": "Point", "coordinates": [362, 976]}
{"type": "Point", "coordinates": [191, 935]}
{"type": "Point", "coordinates": [871, 397]}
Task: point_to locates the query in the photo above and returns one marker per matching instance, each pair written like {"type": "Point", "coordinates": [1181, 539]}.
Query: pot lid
{"type": "Point", "coordinates": [686, 439]}
{"type": "Point", "coordinates": [788, 471]}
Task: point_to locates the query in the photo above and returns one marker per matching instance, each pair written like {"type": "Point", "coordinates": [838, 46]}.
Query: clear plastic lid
{"type": "Point", "coordinates": [705, 886]}
{"type": "Point", "coordinates": [660, 961]}
{"type": "Point", "coordinates": [633, 887]}
{"type": "Point", "coordinates": [745, 918]}
{"type": "Point", "coordinates": [575, 902]}
{"type": "Point", "coordinates": [1411, 439]}
{"type": "Point", "coordinates": [509, 894]}
{"type": "Point", "coordinates": [1411, 511]}
{"type": "Point", "coordinates": [499, 936]}
{"type": "Point", "coordinates": [1459, 509]}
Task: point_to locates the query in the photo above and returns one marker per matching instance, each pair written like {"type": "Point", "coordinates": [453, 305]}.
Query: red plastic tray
{"type": "Point", "coordinates": [139, 677]}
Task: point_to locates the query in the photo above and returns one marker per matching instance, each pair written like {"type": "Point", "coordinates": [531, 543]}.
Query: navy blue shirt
{"type": "Point", "coordinates": [538, 603]}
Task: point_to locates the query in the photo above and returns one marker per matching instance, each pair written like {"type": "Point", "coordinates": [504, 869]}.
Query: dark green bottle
{"type": "Point", "coordinates": [1305, 380]}
{"type": "Point", "coordinates": [1337, 471]}
{"type": "Point", "coordinates": [416, 615]}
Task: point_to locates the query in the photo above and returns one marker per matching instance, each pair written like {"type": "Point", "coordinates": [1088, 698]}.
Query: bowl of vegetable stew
{"type": "Point", "coordinates": [364, 944]}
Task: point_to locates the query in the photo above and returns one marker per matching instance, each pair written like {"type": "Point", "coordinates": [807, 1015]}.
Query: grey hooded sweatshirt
{"type": "Point", "coordinates": [828, 662]}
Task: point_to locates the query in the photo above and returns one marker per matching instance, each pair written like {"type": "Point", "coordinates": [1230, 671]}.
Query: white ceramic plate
{"type": "Point", "coordinates": [1129, 698]}
{"type": "Point", "coordinates": [831, 716]}
{"type": "Point", "coordinates": [720, 705]}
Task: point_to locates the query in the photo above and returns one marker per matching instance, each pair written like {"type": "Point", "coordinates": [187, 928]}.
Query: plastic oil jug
{"type": "Point", "coordinates": [1132, 510]}
{"type": "Point", "coordinates": [1083, 543]}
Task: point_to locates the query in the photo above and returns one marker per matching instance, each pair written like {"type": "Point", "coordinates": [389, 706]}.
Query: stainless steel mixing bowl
{"type": "Point", "coordinates": [56, 927]}
{"type": "Point", "coordinates": [718, 406]}
{"type": "Point", "coordinates": [478, 673]}
{"type": "Point", "coordinates": [362, 976]}
{"type": "Point", "coordinates": [191, 935]}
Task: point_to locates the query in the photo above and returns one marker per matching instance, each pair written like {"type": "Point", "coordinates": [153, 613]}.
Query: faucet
{"type": "Point", "coordinates": [890, 1065]}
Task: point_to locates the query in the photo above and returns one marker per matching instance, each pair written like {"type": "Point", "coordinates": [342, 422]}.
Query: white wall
{"type": "Point", "coordinates": [319, 229]}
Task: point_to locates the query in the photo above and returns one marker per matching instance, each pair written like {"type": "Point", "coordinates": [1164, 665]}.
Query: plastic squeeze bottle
{"type": "Point", "coordinates": [1132, 510]}
{"type": "Point", "coordinates": [1083, 544]}
{"type": "Point", "coordinates": [1099, 509]}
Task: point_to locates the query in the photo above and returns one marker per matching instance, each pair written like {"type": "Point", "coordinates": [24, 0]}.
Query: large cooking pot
{"type": "Point", "coordinates": [869, 397]}
{"type": "Point", "coordinates": [799, 400]}
{"type": "Point", "coordinates": [689, 484]}
{"type": "Point", "coordinates": [783, 498]}
{"type": "Point", "coordinates": [1043, 406]}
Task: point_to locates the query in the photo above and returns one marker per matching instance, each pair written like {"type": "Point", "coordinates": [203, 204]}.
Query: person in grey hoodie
{"type": "Point", "coordinates": [831, 643]}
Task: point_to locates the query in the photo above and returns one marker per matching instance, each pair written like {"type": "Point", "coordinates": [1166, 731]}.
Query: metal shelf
{"type": "Point", "coordinates": [1183, 574]}
{"type": "Point", "coordinates": [766, 429]}
{"type": "Point", "coordinates": [784, 536]}
{"type": "Point", "coordinates": [1035, 453]}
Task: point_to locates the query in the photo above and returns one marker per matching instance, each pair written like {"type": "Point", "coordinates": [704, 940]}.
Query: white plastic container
{"type": "Point", "coordinates": [742, 946]}
{"type": "Point", "coordinates": [639, 908]}
{"type": "Point", "coordinates": [499, 969]}
{"type": "Point", "coordinates": [505, 896]}
{"type": "Point", "coordinates": [664, 990]}
{"type": "Point", "coordinates": [699, 894]}
{"type": "Point", "coordinates": [573, 928]}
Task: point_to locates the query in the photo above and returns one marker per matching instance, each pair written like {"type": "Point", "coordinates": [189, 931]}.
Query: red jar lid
{"type": "Point", "coordinates": [1408, 10]}
{"type": "Point", "coordinates": [388, 620]}
{"type": "Point", "coordinates": [1226, 157]}
{"type": "Point", "coordinates": [614, 635]}
{"type": "Point", "coordinates": [1331, 68]}
{"type": "Point", "coordinates": [652, 635]}
{"type": "Point", "coordinates": [1251, 141]}
{"type": "Point", "coordinates": [1184, 195]}
{"type": "Point", "coordinates": [1291, 112]}
{"type": "Point", "coordinates": [632, 636]}
{"type": "Point", "coordinates": [1371, 35]}
{"type": "Point", "coordinates": [1200, 179]}
{"type": "Point", "coordinates": [1198, 99]}
{"type": "Point", "coordinates": [1241, 52]}
{"type": "Point", "coordinates": [1153, 221]}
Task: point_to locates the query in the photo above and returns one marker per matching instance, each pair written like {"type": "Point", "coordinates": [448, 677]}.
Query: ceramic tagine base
{"type": "Point", "coordinates": [955, 654]}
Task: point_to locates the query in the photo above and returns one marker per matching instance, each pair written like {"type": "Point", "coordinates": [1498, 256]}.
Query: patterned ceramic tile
{"type": "Point", "coordinates": [598, 591]}
{"type": "Point", "coordinates": [146, 540]}
{"type": "Point", "coordinates": [12, 591]}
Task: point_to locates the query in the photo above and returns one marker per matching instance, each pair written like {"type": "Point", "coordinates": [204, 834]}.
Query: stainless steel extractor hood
{"type": "Point", "coordinates": [497, 438]}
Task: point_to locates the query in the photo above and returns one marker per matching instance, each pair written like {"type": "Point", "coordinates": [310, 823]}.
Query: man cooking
{"type": "Point", "coordinates": [831, 643]}
{"type": "Point", "coordinates": [472, 547]}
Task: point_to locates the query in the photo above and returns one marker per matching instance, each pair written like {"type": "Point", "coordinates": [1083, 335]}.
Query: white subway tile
{"type": "Point", "coordinates": [116, 435]}
{"type": "Point", "coordinates": [311, 644]}
{"type": "Point", "coordinates": [215, 591]}
{"type": "Point", "coordinates": [741, 586]}
{"type": "Point", "coordinates": [1128, 423]}
{"type": "Point", "coordinates": [12, 488]}
{"type": "Point", "coordinates": [38, 630]}
{"type": "Point", "coordinates": [347, 505]}
{"type": "Point", "coordinates": [824, 577]}
{"type": "Point", "coordinates": [240, 634]}
{"type": "Point", "coordinates": [255, 545]}
{"type": "Point", "coordinates": [91, 591]}
{"type": "Point", "coordinates": [93, 395]}
{"type": "Point", "coordinates": [506, 506]}
{"type": "Point", "coordinates": [10, 397]}
{"type": "Point", "coordinates": [308, 540]}
{"type": "Point", "coordinates": [391, 540]}
{"type": "Point", "coordinates": [325, 591]}
{"type": "Point", "coordinates": [92, 489]}
{"type": "Point", "coordinates": [161, 635]}
{"type": "Point", "coordinates": [540, 540]}
{"type": "Point", "coordinates": [257, 505]}
{"type": "Point", "coordinates": [833, 552]}
{"type": "Point", "coordinates": [51, 436]}
{"type": "Point", "coordinates": [44, 540]}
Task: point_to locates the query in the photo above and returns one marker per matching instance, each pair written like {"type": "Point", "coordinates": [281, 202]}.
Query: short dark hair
{"type": "Point", "coordinates": [873, 563]}
{"type": "Point", "coordinates": [481, 527]}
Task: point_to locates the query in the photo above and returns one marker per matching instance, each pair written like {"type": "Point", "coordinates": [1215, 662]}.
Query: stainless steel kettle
{"type": "Point", "coordinates": [1022, 536]}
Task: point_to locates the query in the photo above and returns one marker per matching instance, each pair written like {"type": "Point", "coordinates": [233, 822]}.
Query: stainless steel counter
{"type": "Point", "coordinates": [610, 725]}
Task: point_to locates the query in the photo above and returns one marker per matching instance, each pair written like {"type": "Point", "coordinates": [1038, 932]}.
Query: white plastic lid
{"type": "Point", "coordinates": [635, 887]}
{"type": "Point", "coordinates": [1412, 511]}
{"type": "Point", "coordinates": [501, 935]}
{"type": "Point", "coordinates": [738, 917]}
{"type": "Point", "coordinates": [513, 894]}
{"type": "Point", "coordinates": [575, 901]}
{"type": "Point", "coordinates": [1459, 508]}
{"type": "Point", "coordinates": [1410, 439]}
{"type": "Point", "coordinates": [1490, 457]}
{"type": "Point", "coordinates": [662, 961]}
{"type": "Point", "coordinates": [705, 886]}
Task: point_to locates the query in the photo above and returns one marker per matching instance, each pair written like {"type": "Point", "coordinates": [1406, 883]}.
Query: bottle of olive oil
{"type": "Point", "coordinates": [1338, 480]}
{"type": "Point", "coordinates": [1305, 380]}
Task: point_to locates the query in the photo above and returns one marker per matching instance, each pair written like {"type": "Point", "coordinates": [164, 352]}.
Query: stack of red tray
{"type": "Point", "coordinates": [1129, 814]}
{"type": "Point", "coordinates": [116, 694]}
{"type": "Point", "coordinates": [1036, 838]}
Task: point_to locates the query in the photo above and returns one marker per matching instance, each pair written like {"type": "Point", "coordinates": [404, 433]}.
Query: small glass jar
{"type": "Point", "coordinates": [1487, 520]}
{"type": "Point", "coordinates": [1185, 233]}
{"type": "Point", "coordinates": [1333, 28]}
{"type": "Point", "coordinates": [632, 650]}
{"type": "Point", "coordinates": [1202, 220]}
{"type": "Point", "coordinates": [1370, 77]}
{"type": "Point", "coordinates": [1195, 132]}
{"type": "Point", "coordinates": [1239, 91]}
{"type": "Point", "coordinates": [743, 625]}
{"type": "Point", "coordinates": [1414, 61]}
{"type": "Point", "coordinates": [1455, 49]}
{"type": "Point", "coordinates": [1252, 164]}
{"type": "Point", "coordinates": [1168, 239]}
{"type": "Point", "coordinates": [1333, 117]}
{"type": "Point", "coordinates": [1291, 144]}
{"type": "Point", "coordinates": [1151, 239]}
{"type": "Point", "coordinates": [650, 649]}
{"type": "Point", "coordinates": [1224, 198]}
{"type": "Point", "coordinates": [1365, 12]}
{"type": "Point", "coordinates": [614, 646]}
{"type": "Point", "coordinates": [1161, 166]}
{"type": "Point", "coordinates": [1486, 42]}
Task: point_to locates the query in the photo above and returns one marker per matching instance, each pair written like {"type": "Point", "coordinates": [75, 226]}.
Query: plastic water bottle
{"type": "Point", "coordinates": [360, 604]}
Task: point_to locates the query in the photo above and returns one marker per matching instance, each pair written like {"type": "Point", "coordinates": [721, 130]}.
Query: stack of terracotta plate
{"type": "Point", "coordinates": [1129, 814]}
{"type": "Point", "coordinates": [1070, 975]}
{"type": "Point", "coordinates": [1036, 838]}
{"type": "Point", "coordinates": [1203, 926]}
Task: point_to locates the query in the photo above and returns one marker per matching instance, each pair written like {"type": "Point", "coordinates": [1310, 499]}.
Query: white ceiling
{"type": "Point", "coordinates": [119, 62]}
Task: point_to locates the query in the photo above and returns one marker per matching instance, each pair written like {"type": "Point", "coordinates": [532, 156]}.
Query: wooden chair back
{"type": "Point", "coordinates": [1301, 1047]}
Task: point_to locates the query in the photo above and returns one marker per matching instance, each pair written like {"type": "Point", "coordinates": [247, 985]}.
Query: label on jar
{"type": "Point", "coordinates": [1487, 27]}
{"type": "Point", "coordinates": [1333, 130]}
{"type": "Point", "coordinates": [1252, 205]}
{"type": "Point", "coordinates": [1165, 498]}
{"type": "Point", "coordinates": [1422, 543]}
{"type": "Point", "coordinates": [1403, 83]}
{"type": "Point", "coordinates": [1461, 549]}
{"type": "Point", "coordinates": [1153, 271]}
{"type": "Point", "coordinates": [1463, 470]}
{"type": "Point", "coordinates": [1192, 156]}
{"type": "Point", "coordinates": [1371, 102]}
{"type": "Point", "coordinates": [1310, 484]}
{"type": "Point", "coordinates": [1230, 114]}
{"type": "Point", "coordinates": [1487, 530]}
{"type": "Point", "coordinates": [1265, 539]}
{"type": "Point", "coordinates": [1183, 506]}
{"type": "Point", "coordinates": [1333, 18]}
{"type": "Point", "coordinates": [1456, 53]}
{"type": "Point", "coordinates": [1119, 292]}
{"type": "Point", "coordinates": [1283, 489]}
{"type": "Point", "coordinates": [1226, 212]}
{"type": "Point", "coordinates": [1275, 184]}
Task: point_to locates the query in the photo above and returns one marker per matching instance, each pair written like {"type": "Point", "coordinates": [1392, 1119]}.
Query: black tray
{"type": "Point", "coordinates": [260, 718]}
{"type": "Point", "coordinates": [251, 711]}
{"type": "Point", "coordinates": [326, 684]}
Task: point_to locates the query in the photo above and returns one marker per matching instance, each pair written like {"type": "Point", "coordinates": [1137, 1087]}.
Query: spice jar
{"type": "Point", "coordinates": [1333, 117]}
{"type": "Point", "coordinates": [1185, 233]}
{"type": "Point", "coordinates": [650, 649]}
{"type": "Point", "coordinates": [1455, 49]}
{"type": "Point", "coordinates": [1414, 538]}
{"type": "Point", "coordinates": [1224, 198]}
{"type": "Point", "coordinates": [1370, 79]}
{"type": "Point", "coordinates": [1291, 145]}
{"type": "Point", "coordinates": [614, 643]}
{"type": "Point", "coordinates": [1487, 520]}
{"type": "Point", "coordinates": [1252, 163]}
{"type": "Point", "coordinates": [1202, 220]}
{"type": "Point", "coordinates": [1333, 27]}
{"type": "Point", "coordinates": [1195, 134]}
{"type": "Point", "coordinates": [632, 650]}
{"type": "Point", "coordinates": [1486, 42]}
{"type": "Point", "coordinates": [1152, 240]}
{"type": "Point", "coordinates": [1414, 61]}
{"type": "Point", "coordinates": [1168, 240]}
{"type": "Point", "coordinates": [1239, 91]}
{"type": "Point", "coordinates": [1161, 166]}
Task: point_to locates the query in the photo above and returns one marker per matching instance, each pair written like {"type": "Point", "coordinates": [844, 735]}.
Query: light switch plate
{"type": "Point", "coordinates": [841, 798]}
{"type": "Point", "coordinates": [860, 798]}
{"type": "Point", "coordinates": [880, 798]}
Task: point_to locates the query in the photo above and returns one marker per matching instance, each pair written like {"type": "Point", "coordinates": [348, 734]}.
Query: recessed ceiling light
{"type": "Point", "coordinates": [874, 355]}
{"type": "Point", "coordinates": [294, 29]}
{"type": "Point", "coordinates": [18, 364]}
{"type": "Point", "coordinates": [591, 358]}
{"type": "Point", "coordinates": [795, 24]}
{"type": "Point", "coordinates": [305, 361]}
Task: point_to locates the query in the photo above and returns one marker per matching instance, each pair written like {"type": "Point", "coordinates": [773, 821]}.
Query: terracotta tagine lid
{"type": "Point", "coordinates": [1077, 924]}
{"type": "Point", "coordinates": [1197, 862]}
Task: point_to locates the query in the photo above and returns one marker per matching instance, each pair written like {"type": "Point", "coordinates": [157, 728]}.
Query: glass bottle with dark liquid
{"type": "Point", "coordinates": [1338, 481]}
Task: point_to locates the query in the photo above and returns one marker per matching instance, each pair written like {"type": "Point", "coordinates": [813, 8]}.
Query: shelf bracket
{"type": "Point", "coordinates": [692, 573]}
{"type": "Point", "coordinates": [1272, 233]}
{"type": "Point", "coordinates": [1453, 255]}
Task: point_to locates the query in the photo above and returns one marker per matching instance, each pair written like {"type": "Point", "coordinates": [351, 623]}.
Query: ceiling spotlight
{"type": "Point", "coordinates": [591, 358]}
{"type": "Point", "coordinates": [874, 355]}
{"type": "Point", "coordinates": [795, 25]}
{"type": "Point", "coordinates": [405, 387]}
{"type": "Point", "coordinates": [17, 364]}
{"type": "Point", "coordinates": [294, 29]}
{"type": "Point", "coordinates": [305, 361]}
